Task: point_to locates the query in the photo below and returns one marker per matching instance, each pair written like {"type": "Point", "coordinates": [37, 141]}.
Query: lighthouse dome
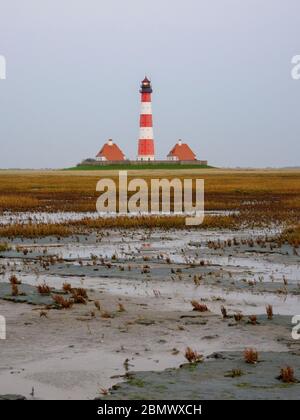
{"type": "Point", "coordinates": [146, 86]}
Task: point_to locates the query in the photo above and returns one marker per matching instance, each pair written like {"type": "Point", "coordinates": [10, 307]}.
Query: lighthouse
{"type": "Point", "coordinates": [146, 142]}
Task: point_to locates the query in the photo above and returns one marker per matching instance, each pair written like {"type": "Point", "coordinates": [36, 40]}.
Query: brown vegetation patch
{"type": "Point", "coordinates": [192, 356]}
{"type": "Point", "coordinates": [197, 306]}
{"type": "Point", "coordinates": [250, 356]}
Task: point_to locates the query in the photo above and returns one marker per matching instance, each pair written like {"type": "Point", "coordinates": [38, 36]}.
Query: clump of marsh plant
{"type": "Point", "coordinates": [250, 356]}
{"type": "Point", "coordinates": [146, 269]}
{"type": "Point", "coordinates": [121, 307]}
{"type": "Point", "coordinates": [235, 241]}
{"type": "Point", "coordinates": [156, 293]}
{"type": "Point", "coordinates": [224, 311]}
{"type": "Point", "coordinates": [67, 287]}
{"type": "Point", "coordinates": [97, 305]}
{"type": "Point", "coordinates": [79, 295]}
{"type": "Point", "coordinates": [104, 391]}
{"type": "Point", "coordinates": [14, 279]}
{"type": "Point", "coordinates": [197, 279]}
{"type": "Point", "coordinates": [253, 319]}
{"type": "Point", "coordinates": [269, 310]}
{"type": "Point", "coordinates": [43, 289]}
{"type": "Point", "coordinates": [14, 290]}
{"type": "Point", "coordinates": [77, 298]}
{"type": "Point", "coordinates": [4, 247]}
{"type": "Point", "coordinates": [197, 306]}
{"type": "Point", "coordinates": [62, 302]}
{"type": "Point", "coordinates": [287, 375]}
{"type": "Point", "coordinates": [106, 315]}
{"type": "Point", "coordinates": [234, 373]}
{"type": "Point", "coordinates": [192, 356]}
{"type": "Point", "coordinates": [238, 317]}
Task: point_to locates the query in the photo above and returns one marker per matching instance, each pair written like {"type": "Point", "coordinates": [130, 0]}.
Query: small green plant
{"type": "Point", "coordinates": [234, 373]}
{"type": "Point", "coordinates": [4, 247]}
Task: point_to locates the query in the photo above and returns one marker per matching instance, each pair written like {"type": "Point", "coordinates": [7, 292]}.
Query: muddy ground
{"type": "Point", "coordinates": [80, 353]}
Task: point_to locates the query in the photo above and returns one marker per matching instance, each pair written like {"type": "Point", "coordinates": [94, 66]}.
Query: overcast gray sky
{"type": "Point", "coordinates": [220, 69]}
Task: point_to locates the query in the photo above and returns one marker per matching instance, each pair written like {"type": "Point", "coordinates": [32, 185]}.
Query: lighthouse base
{"type": "Point", "coordinates": [146, 157]}
{"type": "Point", "coordinates": [146, 150]}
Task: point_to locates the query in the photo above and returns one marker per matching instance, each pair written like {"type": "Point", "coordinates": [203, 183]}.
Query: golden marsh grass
{"type": "Point", "coordinates": [262, 197]}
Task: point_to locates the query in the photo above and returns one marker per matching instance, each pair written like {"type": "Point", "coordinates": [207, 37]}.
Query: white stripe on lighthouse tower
{"type": "Point", "coordinates": [146, 133]}
{"type": "Point", "coordinates": [146, 108]}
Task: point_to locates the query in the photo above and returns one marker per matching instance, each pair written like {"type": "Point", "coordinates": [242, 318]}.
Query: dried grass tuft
{"type": "Point", "coordinates": [238, 317]}
{"type": "Point", "coordinates": [287, 375]}
{"type": "Point", "coordinates": [253, 319]}
{"type": "Point", "coordinates": [197, 306]}
{"type": "Point", "coordinates": [14, 279]}
{"type": "Point", "coordinates": [192, 356]}
{"type": "Point", "coordinates": [250, 356]}
{"type": "Point", "coordinates": [121, 307]}
{"type": "Point", "coordinates": [62, 302]}
{"type": "Point", "coordinates": [44, 289]}
{"type": "Point", "coordinates": [269, 310]}
{"type": "Point", "coordinates": [67, 287]}
{"type": "Point", "coordinates": [14, 290]}
{"type": "Point", "coordinates": [224, 312]}
{"type": "Point", "coordinates": [97, 304]}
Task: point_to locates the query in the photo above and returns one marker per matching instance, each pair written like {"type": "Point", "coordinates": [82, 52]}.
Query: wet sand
{"type": "Point", "coordinates": [74, 353]}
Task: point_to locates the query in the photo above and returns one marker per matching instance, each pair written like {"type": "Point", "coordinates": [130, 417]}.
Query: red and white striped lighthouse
{"type": "Point", "coordinates": [146, 142]}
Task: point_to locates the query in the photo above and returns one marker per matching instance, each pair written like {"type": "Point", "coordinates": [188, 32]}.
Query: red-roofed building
{"type": "Point", "coordinates": [110, 151]}
{"type": "Point", "coordinates": [181, 151]}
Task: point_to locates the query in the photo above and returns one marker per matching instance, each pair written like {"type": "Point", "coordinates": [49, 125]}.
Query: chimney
{"type": "Point", "coordinates": [179, 142]}
{"type": "Point", "coordinates": [110, 142]}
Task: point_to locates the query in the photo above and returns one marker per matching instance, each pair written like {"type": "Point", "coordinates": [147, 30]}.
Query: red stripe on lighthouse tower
{"type": "Point", "coordinates": [146, 142]}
